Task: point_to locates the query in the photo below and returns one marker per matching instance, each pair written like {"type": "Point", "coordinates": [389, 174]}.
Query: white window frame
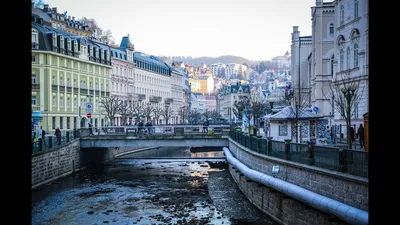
{"type": "Point", "coordinates": [61, 101]}
{"type": "Point", "coordinates": [54, 100]}
{"type": "Point", "coordinates": [33, 78]}
{"type": "Point", "coordinates": [68, 102]}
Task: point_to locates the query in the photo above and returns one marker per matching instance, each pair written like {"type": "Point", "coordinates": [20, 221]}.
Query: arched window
{"type": "Point", "coordinates": [340, 40]}
{"type": "Point", "coordinates": [355, 9]}
{"type": "Point", "coordinates": [348, 58]}
{"type": "Point", "coordinates": [341, 59]}
{"type": "Point", "coordinates": [355, 55]}
{"type": "Point", "coordinates": [341, 14]}
{"type": "Point", "coordinates": [331, 28]}
{"type": "Point", "coordinates": [332, 60]}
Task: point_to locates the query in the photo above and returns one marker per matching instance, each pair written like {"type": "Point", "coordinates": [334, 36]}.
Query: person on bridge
{"type": "Point", "coordinates": [57, 133]}
{"type": "Point", "coordinates": [140, 126]}
{"type": "Point", "coordinates": [151, 129]}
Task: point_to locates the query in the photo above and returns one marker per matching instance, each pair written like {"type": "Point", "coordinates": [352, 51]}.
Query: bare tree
{"type": "Point", "coordinates": [148, 110]}
{"type": "Point", "coordinates": [137, 110]}
{"type": "Point", "coordinates": [298, 100]}
{"type": "Point", "coordinates": [346, 93]}
{"type": "Point", "coordinates": [39, 3]}
{"type": "Point", "coordinates": [215, 115]}
{"type": "Point", "coordinates": [99, 33]}
{"type": "Point", "coordinates": [207, 115]}
{"type": "Point", "coordinates": [194, 116]}
{"type": "Point", "coordinates": [239, 106]}
{"type": "Point", "coordinates": [157, 112]}
{"type": "Point", "coordinates": [183, 113]}
{"type": "Point", "coordinates": [260, 107]}
{"type": "Point", "coordinates": [167, 113]}
{"type": "Point", "coordinates": [111, 106]}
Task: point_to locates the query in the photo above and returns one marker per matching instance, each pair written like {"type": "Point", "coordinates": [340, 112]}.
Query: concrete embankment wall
{"type": "Point", "coordinates": [345, 188]}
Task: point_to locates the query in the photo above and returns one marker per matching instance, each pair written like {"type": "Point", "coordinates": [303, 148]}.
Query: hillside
{"type": "Point", "coordinates": [208, 60]}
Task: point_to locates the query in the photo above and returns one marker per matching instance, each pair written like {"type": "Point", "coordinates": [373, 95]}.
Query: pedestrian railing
{"type": "Point", "coordinates": [50, 141]}
{"type": "Point", "coordinates": [163, 130]}
{"type": "Point", "coordinates": [343, 160]}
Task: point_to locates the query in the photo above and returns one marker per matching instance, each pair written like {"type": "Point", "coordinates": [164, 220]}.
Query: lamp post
{"type": "Point", "coordinates": [348, 93]}
{"type": "Point", "coordinates": [90, 101]}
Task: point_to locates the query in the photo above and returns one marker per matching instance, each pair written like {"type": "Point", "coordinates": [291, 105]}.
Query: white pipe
{"type": "Point", "coordinates": [343, 211]}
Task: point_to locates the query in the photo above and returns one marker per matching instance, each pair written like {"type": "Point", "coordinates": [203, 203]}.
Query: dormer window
{"type": "Point", "coordinates": [54, 39]}
{"type": "Point", "coordinates": [69, 44]}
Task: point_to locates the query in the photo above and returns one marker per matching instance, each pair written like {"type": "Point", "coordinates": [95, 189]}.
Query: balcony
{"type": "Point", "coordinates": [168, 100]}
{"type": "Point", "coordinates": [62, 51]}
{"type": "Point", "coordinates": [54, 87]}
{"type": "Point", "coordinates": [155, 99]}
{"type": "Point", "coordinates": [91, 58]}
{"type": "Point", "coordinates": [103, 61]}
{"type": "Point", "coordinates": [35, 45]}
{"type": "Point", "coordinates": [69, 89]}
{"type": "Point", "coordinates": [141, 97]}
{"type": "Point", "coordinates": [35, 86]}
{"type": "Point", "coordinates": [55, 49]}
{"type": "Point", "coordinates": [62, 88]}
{"type": "Point", "coordinates": [69, 52]}
{"type": "Point", "coordinates": [76, 54]}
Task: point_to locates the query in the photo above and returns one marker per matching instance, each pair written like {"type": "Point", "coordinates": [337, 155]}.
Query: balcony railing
{"type": "Point", "coordinates": [169, 100]}
{"type": "Point", "coordinates": [141, 97]}
{"type": "Point", "coordinates": [55, 49]}
{"type": "Point", "coordinates": [155, 99]}
{"type": "Point", "coordinates": [76, 54]}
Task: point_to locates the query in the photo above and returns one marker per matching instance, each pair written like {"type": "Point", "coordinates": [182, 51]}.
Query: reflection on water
{"type": "Point", "coordinates": [174, 153]}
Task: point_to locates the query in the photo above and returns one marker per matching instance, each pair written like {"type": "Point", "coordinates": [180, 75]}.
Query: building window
{"type": "Point", "coordinates": [75, 65]}
{"type": "Point", "coordinates": [341, 59]}
{"type": "Point", "coordinates": [68, 102]}
{"type": "Point", "coordinates": [341, 14]}
{"type": "Point", "coordinates": [53, 81]}
{"type": "Point", "coordinates": [61, 81]}
{"type": "Point", "coordinates": [61, 101]}
{"type": "Point", "coordinates": [53, 122]}
{"type": "Point", "coordinates": [33, 100]}
{"type": "Point", "coordinates": [355, 9]}
{"type": "Point", "coordinates": [348, 58]}
{"type": "Point", "coordinates": [331, 28]}
{"type": "Point", "coordinates": [332, 60]}
{"type": "Point", "coordinates": [33, 79]}
{"type": "Point", "coordinates": [355, 55]}
{"type": "Point", "coordinates": [97, 86]}
{"type": "Point", "coordinates": [75, 83]}
{"type": "Point", "coordinates": [90, 85]}
{"type": "Point", "coordinates": [34, 59]}
{"type": "Point", "coordinates": [54, 100]}
{"type": "Point", "coordinates": [54, 60]}
{"type": "Point", "coordinates": [68, 125]}
{"type": "Point", "coordinates": [61, 122]}
{"type": "Point", "coordinates": [102, 87]}
{"type": "Point", "coordinates": [68, 83]}
{"type": "Point", "coordinates": [75, 102]}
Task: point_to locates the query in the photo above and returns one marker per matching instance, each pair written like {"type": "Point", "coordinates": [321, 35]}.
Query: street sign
{"type": "Point", "coordinates": [89, 108]}
{"type": "Point", "coordinates": [89, 115]}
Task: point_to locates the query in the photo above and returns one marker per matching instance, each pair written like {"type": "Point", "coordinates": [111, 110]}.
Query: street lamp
{"type": "Point", "coordinates": [348, 93]}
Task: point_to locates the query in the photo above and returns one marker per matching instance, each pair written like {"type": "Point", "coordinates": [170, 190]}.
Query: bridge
{"type": "Point", "coordinates": [166, 136]}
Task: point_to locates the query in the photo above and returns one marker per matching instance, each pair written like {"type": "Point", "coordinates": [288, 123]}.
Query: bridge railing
{"type": "Point", "coordinates": [353, 162]}
{"type": "Point", "coordinates": [51, 142]}
{"type": "Point", "coordinates": [164, 130]}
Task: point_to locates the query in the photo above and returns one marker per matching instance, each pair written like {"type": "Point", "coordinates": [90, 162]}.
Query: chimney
{"type": "Point", "coordinates": [318, 2]}
{"type": "Point", "coordinates": [69, 17]}
{"type": "Point", "coordinates": [73, 18]}
{"type": "Point", "coordinates": [295, 29]}
{"type": "Point", "coordinates": [46, 7]}
{"type": "Point", "coordinates": [54, 9]}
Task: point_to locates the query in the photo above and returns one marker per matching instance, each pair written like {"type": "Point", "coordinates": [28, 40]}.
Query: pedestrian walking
{"type": "Point", "coordinates": [57, 133]}
{"type": "Point", "coordinates": [43, 136]}
{"type": "Point", "coordinates": [360, 133]}
{"type": "Point", "coordinates": [352, 138]}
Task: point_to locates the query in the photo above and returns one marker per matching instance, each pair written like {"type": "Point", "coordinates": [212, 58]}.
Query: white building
{"type": "Point", "coordinates": [152, 81]}
{"type": "Point", "coordinates": [198, 102]}
{"type": "Point", "coordinates": [299, 60]}
{"type": "Point", "coordinates": [227, 97]}
{"type": "Point", "coordinates": [319, 68]}
{"type": "Point", "coordinates": [210, 102]}
{"type": "Point", "coordinates": [350, 59]}
{"type": "Point", "coordinates": [122, 76]}
{"type": "Point", "coordinates": [218, 69]}
{"type": "Point", "coordinates": [177, 84]}
{"type": "Point", "coordinates": [234, 69]}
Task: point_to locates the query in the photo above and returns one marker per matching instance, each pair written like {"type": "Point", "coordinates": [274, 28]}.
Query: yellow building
{"type": "Point", "coordinates": [67, 72]}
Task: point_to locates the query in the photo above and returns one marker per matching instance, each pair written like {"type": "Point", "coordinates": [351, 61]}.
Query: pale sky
{"type": "Point", "coordinates": [254, 29]}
